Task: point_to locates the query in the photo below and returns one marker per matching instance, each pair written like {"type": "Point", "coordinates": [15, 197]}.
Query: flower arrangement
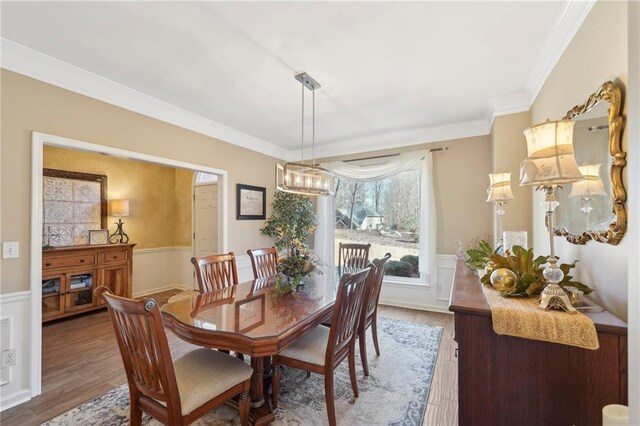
{"type": "Point", "coordinates": [528, 269]}
{"type": "Point", "coordinates": [291, 223]}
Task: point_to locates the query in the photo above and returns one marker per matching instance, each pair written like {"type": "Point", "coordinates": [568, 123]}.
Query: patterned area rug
{"type": "Point", "coordinates": [395, 393]}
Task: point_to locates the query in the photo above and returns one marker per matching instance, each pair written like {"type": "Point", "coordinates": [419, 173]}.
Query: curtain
{"type": "Point", "coordinates": [416, 160]}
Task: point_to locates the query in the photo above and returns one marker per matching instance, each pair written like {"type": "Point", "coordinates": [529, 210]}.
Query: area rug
{"type": "Point", "coordinates": [395, 393]}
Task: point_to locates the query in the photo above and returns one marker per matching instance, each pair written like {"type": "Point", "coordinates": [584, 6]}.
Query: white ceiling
{"type": "Point", "coordinates": [391, 73]}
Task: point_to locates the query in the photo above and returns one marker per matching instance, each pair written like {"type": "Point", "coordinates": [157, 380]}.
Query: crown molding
{"type": "Point", "coordinates": [34, 64]}
{"type": "Point", "coordinates": [404, 138]}
{"type": "Point", "coordinates": [565, 28]}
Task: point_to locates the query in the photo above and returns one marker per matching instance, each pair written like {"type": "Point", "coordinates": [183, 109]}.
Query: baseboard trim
{"type": "Point", "coordinates": [17, 398]}
{"type": "Point", "coordinates": [165, 288]}
{"type": "Point", "coordinates": [416, 306]}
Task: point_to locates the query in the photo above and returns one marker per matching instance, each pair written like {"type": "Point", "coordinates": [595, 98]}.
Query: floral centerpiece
{"type": "Point", "coordinates": [527, 269]}
{"type": "Point", "coordinates": [291, 224]}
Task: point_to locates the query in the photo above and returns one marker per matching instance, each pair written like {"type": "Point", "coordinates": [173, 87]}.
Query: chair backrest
{"type": "Point", "coordinates": [353, 255]}
{"type": "Point", "coordinates": [346, 315]}
{"type": "Point", "coordinates": [264, 261]}
{"type": "Point", "coordinates": [144, 347]}
{"type": "Point", "coordinates": [374, 284]}
{"type": "Point", "coordinates": [216, 271]}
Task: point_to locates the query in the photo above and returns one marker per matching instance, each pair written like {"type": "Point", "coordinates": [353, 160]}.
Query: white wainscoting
{"type": "Point", "coordinates": [420, 296]}
{"type": "Point", "coordinates": [15, 317]}
{"type": "Point", "coordinates": [164, 268]}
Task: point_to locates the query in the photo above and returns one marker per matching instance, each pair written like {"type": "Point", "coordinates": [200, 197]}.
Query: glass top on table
{"type": "Point", "coordinates": [257, 308]}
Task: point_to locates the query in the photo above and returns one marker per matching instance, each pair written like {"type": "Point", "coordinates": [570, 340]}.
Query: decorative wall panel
{"type": "Point", "coordinates": [74, 203]}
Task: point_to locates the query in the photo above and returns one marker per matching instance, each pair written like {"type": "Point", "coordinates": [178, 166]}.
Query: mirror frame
{"type": "Point", "coordinates": [611, 93]}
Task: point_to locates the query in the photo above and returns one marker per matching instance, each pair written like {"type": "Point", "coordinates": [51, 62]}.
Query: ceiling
{"type": "Point", "coordinates": [392, 73]}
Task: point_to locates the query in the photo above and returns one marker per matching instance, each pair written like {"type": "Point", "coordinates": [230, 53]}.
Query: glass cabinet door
{"type": "Point", "coordinates": [79, 293]}
{"type": "Point", "coordinates": [52, 304]}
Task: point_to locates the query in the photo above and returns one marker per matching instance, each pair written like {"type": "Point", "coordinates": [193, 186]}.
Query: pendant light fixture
{"type": "Point", "coordinates": [305, 178]}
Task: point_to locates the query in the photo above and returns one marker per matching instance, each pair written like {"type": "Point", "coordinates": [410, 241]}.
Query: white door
{"type": "Point", "coordinates": [205, 226]}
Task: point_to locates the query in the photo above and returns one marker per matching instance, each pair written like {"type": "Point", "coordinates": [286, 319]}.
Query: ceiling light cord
{"type": "Point", "coordinates": [302, 128]}
{"type": "Point", "coordinates": [313, 128]}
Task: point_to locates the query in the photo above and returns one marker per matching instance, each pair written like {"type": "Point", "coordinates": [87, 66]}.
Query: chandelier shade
{"type": "Point", "coordinates": [299, 178]}
{"type": "Point", "coordinates": [302, 178]}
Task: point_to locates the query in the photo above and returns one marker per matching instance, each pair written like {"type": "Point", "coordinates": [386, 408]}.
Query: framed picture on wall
{"type": "Point", "coordinates": [251, 202]}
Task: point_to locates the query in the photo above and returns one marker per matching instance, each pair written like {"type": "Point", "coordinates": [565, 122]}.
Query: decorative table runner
{"type": "Point", "coordinates": [522, 318]}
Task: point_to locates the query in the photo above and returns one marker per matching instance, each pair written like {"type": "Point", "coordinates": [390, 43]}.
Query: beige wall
{"type": "Point", "coordinates": [30, 105]}
{"type": "Point", "coordinates": [597, 53]}
{"type": "Point", "coordinates": [159, 196]}
{"type": "Point", "coordinates": [460, 183]}
{"type": "Point", "coordinates": [509, 148]}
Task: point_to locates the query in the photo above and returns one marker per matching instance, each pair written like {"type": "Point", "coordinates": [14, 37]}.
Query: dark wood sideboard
{"type": "Point", "coordinates": [504, 380]}
{"type": "Point", "coordinates": [70, 274]}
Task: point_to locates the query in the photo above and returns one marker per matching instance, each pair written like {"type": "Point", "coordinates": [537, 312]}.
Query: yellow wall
{"type": "Point", "coordinates": [460, 183]}
{"type": "Point", "coordinates": [30, 105]}
{"type": "Point", "coordinates": [597, 53]}
{"type": "Point", "coordinates": [182, 197]}
{"type": "Point", "coordinates": [159, 196]}
{"type": "Point", "coordinates": [509, 148]}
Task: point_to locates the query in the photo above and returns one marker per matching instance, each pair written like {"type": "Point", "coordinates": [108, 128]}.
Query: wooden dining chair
{"type": "Point", "coordinates": [215, 271]}
{"type": "Point", "coordinates": [174, 393]}
{"type": "Point", "coordinates": [322, 349]}
{"type": "Point", "coordinates": [369, 316]}
{"type": "Point", "coordinates": [353, 255]}
{"type": "Point", "coordinates": [264, 261]}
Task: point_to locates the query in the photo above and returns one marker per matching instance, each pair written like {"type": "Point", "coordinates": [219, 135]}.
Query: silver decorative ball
{"type": "Point", "coordinates": [504, 279]}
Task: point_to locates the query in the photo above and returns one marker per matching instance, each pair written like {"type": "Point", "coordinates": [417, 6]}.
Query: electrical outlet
{"type": "Point", "coordinates": [8, 358]}
{"type": "Point", "coordinates": [10, 250]}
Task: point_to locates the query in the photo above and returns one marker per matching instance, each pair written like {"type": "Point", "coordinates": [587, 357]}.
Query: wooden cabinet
{"type": "Point", "coordinates": [70, 274]}
{"type": "Point", "coordinates": [504, 380]}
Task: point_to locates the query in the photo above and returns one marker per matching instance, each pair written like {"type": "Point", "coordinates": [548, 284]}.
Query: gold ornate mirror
{"type": "Point", "coordinates": [594, 209]}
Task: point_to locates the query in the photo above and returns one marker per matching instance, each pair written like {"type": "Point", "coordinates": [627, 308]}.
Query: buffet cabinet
{"type": "Point", "coordinates": [71, 274]}
{"type": "Point", "coordinates": [505, 380]}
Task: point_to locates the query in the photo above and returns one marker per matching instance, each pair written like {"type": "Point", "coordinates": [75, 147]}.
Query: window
{"type": "Point", "coordinates": [385, 213]}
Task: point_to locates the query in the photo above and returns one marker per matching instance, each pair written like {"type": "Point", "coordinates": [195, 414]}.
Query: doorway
{"type": "Point", "coordinates": [205, 212]}
{"type": "Point", "coordinates": [39, 140]}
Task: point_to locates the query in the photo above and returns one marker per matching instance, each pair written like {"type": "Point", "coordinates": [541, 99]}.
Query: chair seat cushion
{"type": "Point", "coordinates": [203, 374]}
{"type": "Point", "coordinates": [311, 348]}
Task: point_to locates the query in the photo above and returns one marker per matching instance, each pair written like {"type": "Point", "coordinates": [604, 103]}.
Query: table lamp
{"type": "Point", "coordinates": [499, 192]}
{"type": "Point", "coordinates": [119, 209]}
{"type": "Point", "coordinates": [588, 188]}
{"type": "Point", "coordinates": [549, 164]}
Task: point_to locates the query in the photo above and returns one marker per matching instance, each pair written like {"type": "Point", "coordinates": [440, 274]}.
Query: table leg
{"type": "Point", "coordinates": [257, 384]}
{"type": "Point", "coordinates": [267, 367]}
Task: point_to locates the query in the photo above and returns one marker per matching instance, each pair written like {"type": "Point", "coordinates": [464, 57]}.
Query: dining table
{"type": "Point", "coordinates": [257, 318]}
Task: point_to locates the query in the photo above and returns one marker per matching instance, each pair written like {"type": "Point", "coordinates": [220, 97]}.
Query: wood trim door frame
{"type": "Point", "coordinates": [38, 141]}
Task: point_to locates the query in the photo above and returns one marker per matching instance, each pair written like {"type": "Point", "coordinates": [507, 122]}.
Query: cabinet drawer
{"type": "Point", "coordinates": [69, 261]}
{"type": "Point", "coordinates": [116, 256]}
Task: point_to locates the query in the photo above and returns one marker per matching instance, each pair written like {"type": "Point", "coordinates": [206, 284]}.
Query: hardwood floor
{"type": "Point", "coordinates": [81, 361]}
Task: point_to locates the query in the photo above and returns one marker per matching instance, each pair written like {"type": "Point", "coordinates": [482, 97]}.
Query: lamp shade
{"type": "Point", "coordinates": [550, 158]}
{"type": "Point", "coordinates": [119, 208]}
{"type": "Point", "coordinates": [499, 187]}
{"type": "Point", "coordinates": [591, 185]}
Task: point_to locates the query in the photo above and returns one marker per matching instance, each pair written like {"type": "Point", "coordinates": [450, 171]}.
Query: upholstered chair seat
{"type": "Point", "coordinates": [203, 372]}
{"type": "Point", "coordinates": [311, 348]}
